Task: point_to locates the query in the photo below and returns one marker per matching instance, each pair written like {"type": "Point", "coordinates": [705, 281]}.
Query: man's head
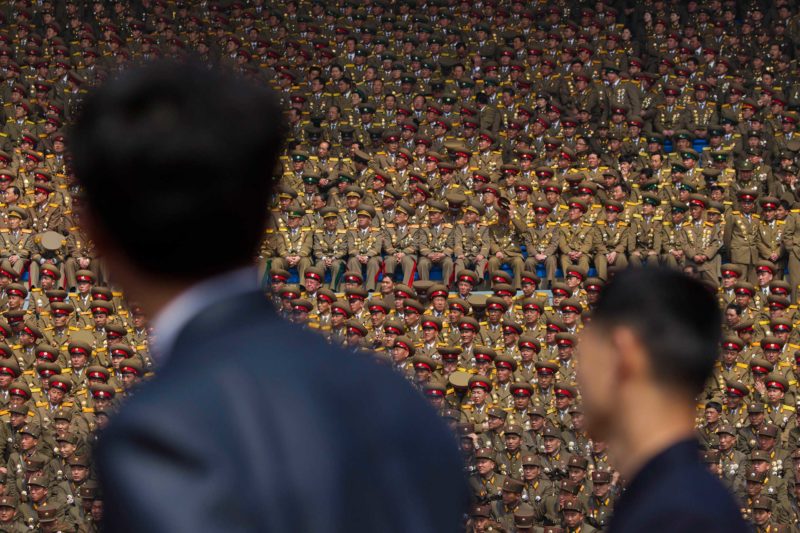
{"type": "Point", "coordinates": [161, 137]}
{"type": "Point", "coordinates": [653, 331]}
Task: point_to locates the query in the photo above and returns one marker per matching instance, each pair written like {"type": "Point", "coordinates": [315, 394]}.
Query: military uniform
{"type": "Point", "coordinates": [434, 240]}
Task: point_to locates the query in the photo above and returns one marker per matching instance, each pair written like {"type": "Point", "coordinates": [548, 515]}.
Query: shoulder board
{"type": "Point", "coordinates": [341, 230]}
{"type": "Point", "coordinates": [27, 231]}
{"type": "Point", "coordinates": [789, 408]}
{"type": "Point", "coordinates": [601, 223]}
{"type": "Point", "coordinates": [637, 215]}
{"type": "Point", "coordinates": [66, 371]}
{"type": "Point", "coordinates": [88, 409]}
{"type": "Point", "coordinates": [67, 404]}
{"type": "Point", "coordinates": [447, 225]}
{"type": "Point", "coordinates": [41, 404]}
{"type": "Point", "coordinates": [742, 365]}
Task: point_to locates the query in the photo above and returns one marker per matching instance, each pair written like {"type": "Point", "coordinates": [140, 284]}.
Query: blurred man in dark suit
{"type": "Point", "coordinates": [647, 353]}
{"type": "Point", "coordinates": [251, 424]}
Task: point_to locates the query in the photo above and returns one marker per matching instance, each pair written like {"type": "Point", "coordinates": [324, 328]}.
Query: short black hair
{"type": "Point", "coordinates": [675, 317]}
{"type": "Point", "coordinates": [734, 307]}
{"type": "Point", "coordinates": [176, 161]}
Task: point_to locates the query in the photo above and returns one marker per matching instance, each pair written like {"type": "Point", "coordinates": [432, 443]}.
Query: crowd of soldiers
{"type": "Point", "coordinates": [460, 181]}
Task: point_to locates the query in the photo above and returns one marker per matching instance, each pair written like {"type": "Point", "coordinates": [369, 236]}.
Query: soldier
{"type": "Point", "coordinates": [613, 240]}
{"type": "Point", "coordinates": [510, 503]}
{"type": "Point", "coordinates": [673, 238]}
{"type": "Point", "coordinates": [600, 505]}
{"type": "Point", "coordinates": [486, 483]}
{"type": "Point", "coordinates": [646, 233]}
{"type": "Point", "coordinates": [364, 243]}
{"type": "Point", "coordinates": [435, 243]}
{"type": "Point", "coordinates": [16, 242]}
{"type": "Point", "coordinates": [770, 234]}
{"type": "Point", "coordinates": [400, 244]}
{"type": "Point", "coordinates": [703, 241]}
{"type": "Point", "coordinates": [329, 246]}
{"type": "Point", "coordinates": [471, 242]}
{"type": "Point", "coordinates": [294, 245]}
{"type": "Point", "coordinates": [576, 240]}
{"type": "Point", "coordinates": [741, 228]}
{"type": "Point", "coordinates": [542, 243]}
{"type": "Point", "coordinates": [45, 215]}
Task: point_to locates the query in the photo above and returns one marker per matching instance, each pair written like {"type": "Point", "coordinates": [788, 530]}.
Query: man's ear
{"type": "Point", "coordinates": [631, 359]}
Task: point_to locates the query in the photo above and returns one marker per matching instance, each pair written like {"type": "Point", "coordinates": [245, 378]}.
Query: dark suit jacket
{"type": "Point", "coordinates": [254, 424]}
{"type": "Point", "coordinates": [675, 492]}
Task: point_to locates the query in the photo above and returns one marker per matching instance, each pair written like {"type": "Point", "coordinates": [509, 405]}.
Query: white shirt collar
{"type": "Point", "coordinates": [169, 322]}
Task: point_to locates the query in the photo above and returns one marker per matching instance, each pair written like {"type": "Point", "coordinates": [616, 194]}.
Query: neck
{"type": "Point", "coordinates": [641, 438]}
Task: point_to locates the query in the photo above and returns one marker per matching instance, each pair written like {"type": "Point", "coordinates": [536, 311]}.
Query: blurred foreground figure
{"type": "Point", "coordinates": [251, 424]}
{"type": "Point", "coordinates": [647, 353]}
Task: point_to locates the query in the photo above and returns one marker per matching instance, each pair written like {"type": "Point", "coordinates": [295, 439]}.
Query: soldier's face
{"type": "Point", "coordinates": [574, 214]}
{"type": "Point", "coordinates": [7, 514]}
{"type": "Point", "coordinates": [129, 379]}
{"type": "Point", "coordinates": [726, 441]}
{"type": "Point", "coordinates": [513, 442]}
{"type": "Point", "coordinates": [730, 356]}
{"type": "Point", "coordinates": [753, 488]}
{"type": "Point", "coordinates": [775, 395]}
{"type": "Point", "coordinates": [484, 466]}
{"type": "Point", "coordinates": [330, 223]}
{"type": "Point", "coordinates": [100, 319]}
{"type": "Point", "coordinates": [600, 489]}
{"type": "Point", "coordinates": [576, 474]}
{"type": "Point", "coordinates": [37, 493]}
{"type": "Point", "coordinates": [572, 518]}
{"type": "Point", "coordinates": [478, 396]}
{"type": "Point", "coordinates": [55, 395]}
{"type": "Point", "coordinates": [761, 517]}
{"type": "Point", "coordinates": [551, 445]}
{"type": "Point", "coordinates": [78, 360]}
{"type": "Point", "coordinates": [27, 442]}
{"type": "Point", "coordinates": [78, 473]}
